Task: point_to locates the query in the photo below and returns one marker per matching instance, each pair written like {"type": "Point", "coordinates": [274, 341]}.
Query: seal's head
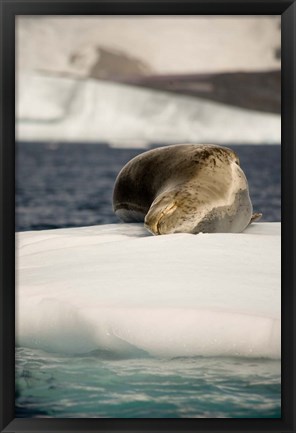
{"type": "Point", "coordinates": [175, 211]}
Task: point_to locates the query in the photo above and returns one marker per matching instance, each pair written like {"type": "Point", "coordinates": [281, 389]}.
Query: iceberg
{"type": "Point", "coordinates": [117, 289]}
{"type": "Point", "coordinates": [51, 108]}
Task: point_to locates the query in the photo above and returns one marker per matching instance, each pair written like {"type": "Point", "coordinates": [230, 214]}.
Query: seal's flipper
{"type": "Point", "coordinates": [255, 217]}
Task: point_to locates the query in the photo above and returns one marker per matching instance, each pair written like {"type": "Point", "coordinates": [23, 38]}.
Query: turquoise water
{"type": "Point", "coordinates": [93, 386]}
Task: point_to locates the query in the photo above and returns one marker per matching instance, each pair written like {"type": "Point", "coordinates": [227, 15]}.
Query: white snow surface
{"type": "Point", "coordinates": [78, 110]}
{"type": "Point", "coordinates": [116, 288]}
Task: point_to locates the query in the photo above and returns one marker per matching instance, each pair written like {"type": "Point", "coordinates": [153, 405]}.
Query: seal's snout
{"type": "Point", "coordinates": [152, 228]}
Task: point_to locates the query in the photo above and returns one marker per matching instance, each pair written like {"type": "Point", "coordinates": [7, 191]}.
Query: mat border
{"type": "Point", "coordinates": [8, 10]}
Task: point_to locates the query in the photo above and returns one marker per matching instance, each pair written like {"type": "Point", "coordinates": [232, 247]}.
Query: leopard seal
{"type": "Point", "coordinates": [185, 188]}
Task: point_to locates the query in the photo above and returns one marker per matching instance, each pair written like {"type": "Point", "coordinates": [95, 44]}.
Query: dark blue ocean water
{"type": "Point", "coordinates": [70, 185]}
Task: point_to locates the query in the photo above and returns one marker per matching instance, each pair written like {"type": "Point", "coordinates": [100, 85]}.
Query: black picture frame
{"type": "Point", "coordinates": [11, 8]}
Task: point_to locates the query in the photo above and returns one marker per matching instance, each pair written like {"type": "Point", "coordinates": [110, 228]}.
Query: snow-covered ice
{"type": "Point", "coordinates": [120, 289]}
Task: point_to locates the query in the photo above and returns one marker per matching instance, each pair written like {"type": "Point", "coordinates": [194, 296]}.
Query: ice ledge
{"type": "Point", "coordinates": [117, 288]}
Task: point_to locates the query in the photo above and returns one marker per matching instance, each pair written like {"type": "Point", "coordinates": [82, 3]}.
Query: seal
{"type": "Point", "coordinates": [185, 188]}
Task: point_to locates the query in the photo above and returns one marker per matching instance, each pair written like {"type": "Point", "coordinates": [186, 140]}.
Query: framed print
{"type": "Point", "coordinates": [147, 282]}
